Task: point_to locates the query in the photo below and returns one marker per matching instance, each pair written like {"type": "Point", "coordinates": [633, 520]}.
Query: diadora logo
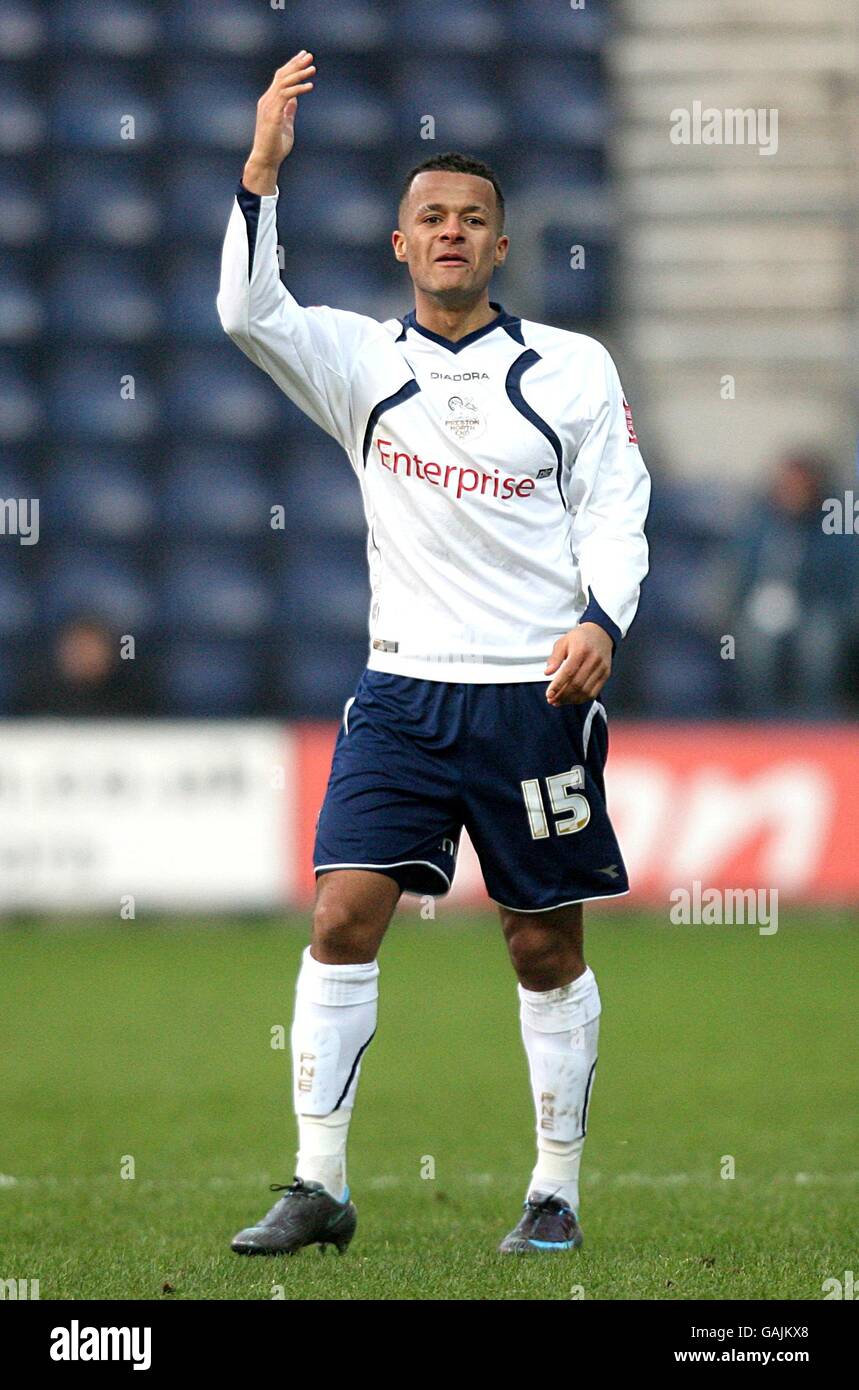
{"type": "Point", "coordinates": [452, 476]}
{"type": "Point", "coordinates": [459, 376]}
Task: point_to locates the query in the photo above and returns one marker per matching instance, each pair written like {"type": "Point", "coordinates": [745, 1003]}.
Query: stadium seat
{"type": "Point", "coordinates": [205, 678]}
{"type": "Point", "coordinates": [114, 28]}
{"type": "Point", "coordinates": [350, 26]}
{"type": "Point", "coordinates": [335, 202]}
{"type": "Point", "coordinates": [462, 26]}
{"type": "Point", "coordinates": [211, 105]}
{"type": "Point", "coordinates": [23, 126]}
{"type": "Point", "coordinates": [217, 393]}
{"type": "Point", "coordinates": [108, 202]}
{"type": "Point", "coordinates": [217, 492]}
{"type": "Point", "coordinates": [462, 97]}
{"type": "Point", "coordinates": [556, 27]}
{"type": "Point", "coordinates": [197, 196]}
{"type": "Point", "coordinates": [23, 29]}
{"type": "Point", "coordinates": [342, 603]}
{"type": "Point", "coordinates": [215, 591]}
{"type": "Point", "coordinates": [566, 101]}
{"type": "Point", "coordinates": [231, 28]}
{"type": "Point", "coordinates": [93, 108]}
{"type": "Point", "coordinates": [22, 409]}
{"type": "Point", "coordinates": [351, 116]}
{"type": "Point", "coordinates": [21, 309]}
{"type": "Point", "coordinates": [105, 296]}
{"type": "Point", "coordinates": [82, 579]}
{"type": "Point", "coordinates": [23, 206]}
{"type": "Point", "coordinates": [321, 493]}
{"type": "Point", "coordinates": [17, 596]}
{"type": "Point", "coordinates": [317, 671]}
{"type": "Point", "coordinates": [105, 494]}
{"type": "Point", "coordinates": [574, 294]}
{"type": "Point", "coordinates": [90, 396]}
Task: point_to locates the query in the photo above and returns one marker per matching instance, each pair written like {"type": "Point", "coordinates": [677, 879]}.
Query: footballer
{"type": "Point", "coordinates": [505, 497]}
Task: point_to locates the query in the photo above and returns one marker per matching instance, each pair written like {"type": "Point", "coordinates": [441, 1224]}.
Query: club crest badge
{"type": "Point", "coordinates": [464, 419]}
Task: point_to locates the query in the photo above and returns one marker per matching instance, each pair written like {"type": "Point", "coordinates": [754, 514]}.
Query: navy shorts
{"type": "Point", "coordinates": [416, 760]}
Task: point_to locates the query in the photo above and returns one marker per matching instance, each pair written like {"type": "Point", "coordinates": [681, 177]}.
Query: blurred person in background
{"type": "Point", "coordinates": [794, 590]}
{"type": "Point", "coordinates": [83, 673]}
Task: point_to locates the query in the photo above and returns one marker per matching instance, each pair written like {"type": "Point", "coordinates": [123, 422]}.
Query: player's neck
{"type": "Point", "coordinates": [453, 323]}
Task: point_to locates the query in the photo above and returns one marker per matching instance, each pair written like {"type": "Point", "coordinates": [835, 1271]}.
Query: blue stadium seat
{"type": "Point", "coordinates": [462, 97]}
{"type": "Point", "coordinates": [22, 314]}
{"type": "Point", "coordinates": [348, 114]}
{"type": "Point", "coordinates": [17, 476]}
{"type": "Point", "coordinates": [88, 397]}
{"type": "Point", "coordinates": [217, 492]}
{"type": "Point", "coordinates": [336, 202]}
{"type": "Point", "coordinates": [325, 585]}
{"type": "Point", "coordinates": [106, 202]}
{"type": "Point", "coordinates": [106, 581]}
{"type": "Point", "coordinates": [17, 597]}
{"type": "Point", "coordinates": [218, 393]}
{"type": "Point", "coordinates": [23, 29]}
{"type": "Point", "coordinates": [115, 28]}
{"type": "Point", "coordinates": [574, 294]}
{"type": "Point", "coordinates": [213, 105]}
{"type": "Point", "coordinates": [105, 494]}
{"type": "Point", "coordinates": [214, 591]}
{"type": "Point", "coordinates": [232, 28]}
{"type": "Point", "coordinates": [350, 26]}
{"type": "Point", "coordinates": [22, 411]}
{"type": "Point", "coordinates": [23, 126]}
{"type": "Point", "coordinates": [358, 279]}
{"type": "Point", "coordinates": [557, 27]}
{"type": "Point", "coordinates": [197, 199]}
{"type": "Point", "coordinates": [13, 658]}
{"type": "Point", "coordinates": [23, 207]}
{"type": "Point", "coordinates": [688, 681]}
{"type": "Point", "coordinates": [205, 678]}
{"type": "Point", "coordinates": [91, 107]}
{"type": "Point", "coordinates": [320, 492]}
{"type": "Point", "coordinates": [190, 288]}
{"type": "Point", "coordinates": [462, 26]}
{"type": "Point", "coordinates": [104, 296]}
{"type": "Point", "coordinates": [317, 671]}
{"type": "Point", "coordinates": [566, 101]}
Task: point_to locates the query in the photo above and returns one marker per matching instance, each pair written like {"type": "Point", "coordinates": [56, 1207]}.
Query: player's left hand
{"type": "Point", "coordinates": [581, 661]}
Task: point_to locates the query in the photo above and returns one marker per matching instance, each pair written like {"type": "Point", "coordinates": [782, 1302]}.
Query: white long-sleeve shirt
{"type": "Point", "coordinates": [503, 486]}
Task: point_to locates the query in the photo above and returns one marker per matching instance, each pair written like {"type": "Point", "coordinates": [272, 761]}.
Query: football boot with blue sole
{"type": "Point", "coordinates": [546, 1224]}
{"type": "Point", "coordinates": [306, 1214]}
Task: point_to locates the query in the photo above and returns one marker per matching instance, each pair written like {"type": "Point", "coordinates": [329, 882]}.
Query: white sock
{"type": "Point", "coordinates": [560, 1030]}
{"type": "Point", "coordinates": [334, 1021]}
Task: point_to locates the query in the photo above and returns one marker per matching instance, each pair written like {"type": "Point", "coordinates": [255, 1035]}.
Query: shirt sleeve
{"type": "Point", "coordinates": [614, 491]}
{"type": "Point", "coordinates": [309, 353]}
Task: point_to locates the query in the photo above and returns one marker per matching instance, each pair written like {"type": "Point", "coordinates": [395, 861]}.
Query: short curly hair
{"type": "Point", "coordinates": [455, 163]}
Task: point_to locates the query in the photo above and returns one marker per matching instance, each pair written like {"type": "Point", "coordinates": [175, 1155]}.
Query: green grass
{"type": "Point", "coordinates": [154, 1041]}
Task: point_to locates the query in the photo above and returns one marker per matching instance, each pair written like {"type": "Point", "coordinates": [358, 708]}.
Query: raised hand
{"type": "Point", "coordinates": [274, 135]}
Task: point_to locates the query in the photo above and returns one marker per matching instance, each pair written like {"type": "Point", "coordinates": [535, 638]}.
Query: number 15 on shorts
{"type": "Point", "coordinates": [565, 795]}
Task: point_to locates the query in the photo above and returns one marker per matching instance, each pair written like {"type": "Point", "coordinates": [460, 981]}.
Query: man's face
{"type": "Point", "coordinates": [449, 235]}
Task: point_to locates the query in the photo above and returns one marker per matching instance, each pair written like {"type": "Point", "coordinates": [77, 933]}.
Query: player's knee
{"type": "Point", "coordinates": [538, 954]}
{"type": "Point", "coordinates": [344, 930]}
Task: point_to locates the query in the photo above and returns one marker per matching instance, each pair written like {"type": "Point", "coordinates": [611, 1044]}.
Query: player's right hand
{"type": "Point", "coordinates": [274, 136]}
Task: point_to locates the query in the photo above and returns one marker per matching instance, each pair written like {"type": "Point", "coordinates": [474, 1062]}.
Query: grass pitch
{"type": "Point", "coordinates": [152, 1043]}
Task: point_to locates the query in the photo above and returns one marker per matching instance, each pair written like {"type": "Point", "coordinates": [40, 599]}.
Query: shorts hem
{"type": "Point", "coordinates": [397, 864]}
{"type": "Point", "coordinates": [569, 902]}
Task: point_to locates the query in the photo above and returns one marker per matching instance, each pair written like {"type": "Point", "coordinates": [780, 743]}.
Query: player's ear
{"type": "Point", "coordinates": [502, 246]}
{"type": "Point", "coordinates": [399, 244]}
